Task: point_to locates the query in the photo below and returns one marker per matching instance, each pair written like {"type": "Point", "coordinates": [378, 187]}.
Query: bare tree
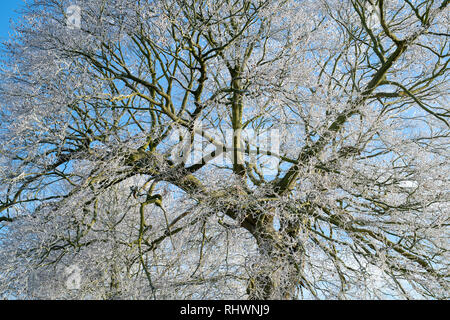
{"type": "Point", "coordinates": [204, 149]}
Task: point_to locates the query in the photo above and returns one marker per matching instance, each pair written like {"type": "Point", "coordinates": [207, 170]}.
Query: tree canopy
{"type": "Point", "coordinates": [225, 149]}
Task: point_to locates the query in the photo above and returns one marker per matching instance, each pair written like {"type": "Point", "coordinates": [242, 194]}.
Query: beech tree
{"type": "Point", "coordinates": [243, 149]}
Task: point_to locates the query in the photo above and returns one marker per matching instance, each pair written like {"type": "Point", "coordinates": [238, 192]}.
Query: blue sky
{"type": "Point", "coordinates": [7, 8]}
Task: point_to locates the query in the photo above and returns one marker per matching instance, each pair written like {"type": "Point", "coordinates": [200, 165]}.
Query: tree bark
{"type": "Point", "coordinates": [277, 275]}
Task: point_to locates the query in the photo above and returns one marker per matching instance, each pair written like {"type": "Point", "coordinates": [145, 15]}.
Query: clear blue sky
{"type": "Point", "coordinates": [7, 12]}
